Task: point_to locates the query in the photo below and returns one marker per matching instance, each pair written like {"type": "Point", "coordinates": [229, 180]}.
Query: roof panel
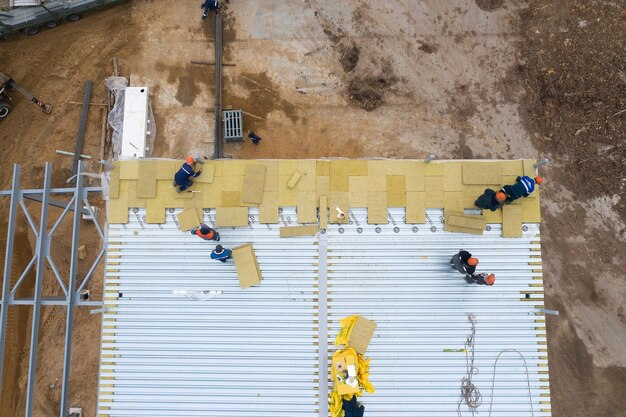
{"type": "Point", "coordinates": [171, 347]}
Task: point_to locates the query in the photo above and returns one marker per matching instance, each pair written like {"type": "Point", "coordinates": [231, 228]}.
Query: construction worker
{"type": "Point", "coordinates": [206, 233]}
{"type": "Point", "coordinates": [523, 187]}
{"type": "Point", "coordinates": [182, 179]}
{"type": "Point", "coordinates": [481, 279]}
{"type": "Point", "coordinates": [210, 5]}
{"type": "Point", "coordinates": [463, 262]}
{"type": "Point", "coordinates": [221, 254]}
{"type": "Point", "coordinates": [254, 138]}
{"type": "Point", "coordinates": [491, 200]}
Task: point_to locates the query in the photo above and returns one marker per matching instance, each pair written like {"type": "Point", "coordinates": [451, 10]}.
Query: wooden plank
{"type": "Point", "coordinates": [247, 266]}
{"type": "Point", "coordinates": [531, 211]}
{"type": "Point", "coordinates": [452, 176]}
{"type": "Point", "coordinates": [307, 168]}
{"type": "Point", "coordinates": [396, 191]}
{"type": "Point", "coordinates": [357, 192]}
{"type": "Point", "coordinates": [339, 172]}
{"type": "Point", "coordinates": [512, 221]}
{"type": "Point", "coordinates": [453, 202]}
{"type": "Point", "coordinates": [129, 170]}
{"type": "Point", "coordinates": [307, 207]}
{"type": "Point", "coordinates": [287, 167]}
{"type": "Point", "coordinates": [232, 183]}
{"type": "Point", "coordinates": [287, 197]}
{"type": "Point", "coordinates": [415, 207]}
{"type": "Point", "coordinates": [268, 210]}
{"type": "Point", "coordinates": [465, 220]}
{"type": "Point", "coordinates": [529, 167]}
{"type": "Point", "coordinates": [293, 180]}
{"type": "Point", "coordinates": [231, 216]}
{"type": "Point", "coordinates": [166, 169]}
{"type": "Point", "coordinates": [208, 173]}
{"type": "Point", "coordinates": [118, 210]}
{"type": "Point", "coordinates": [253, 184]}
{"type": "Point", "coordinates": [323, 186]}
{"type": "Point", "coordinates": [114, 183]}
{"type": "Point", "coordinates": [481, 173]}
{"type": "Point", "coordinates": [358, 168]}
{"type": "Point", "coordinates": [377, 207]}
{"type": "Point", "coordinates": [231, 199]}
{"type": "Point", "coordinates": [188, 219]}
{"type": "Point", "coordinates": [323, 168]}
{"type": "Point", "coordinates": [155, 211]}
{"type": "Point", "coordinates": [146, 183]}
{"type": "Point", "coordinates": [433, 169]}
{"type": "Point", "coordinates": [294, 231]}
{"type": "Point", "coordinates": [271, 176]}
{"type": "Point", "coordinates": [458, 229]}
{"type": "Point", "coordinates": [414, 173]}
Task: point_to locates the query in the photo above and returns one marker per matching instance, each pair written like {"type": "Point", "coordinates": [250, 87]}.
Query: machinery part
{"type": "Point", "coordinates": [73, 17]}
{"type": "Point", "coordinates": [52, 24]}
{"type": "Point", "coordinates": [8, 84]}
{"type": "Point", "coordinates": [31, 31]}
{"type": "Point", "coordinates": [5, 109]}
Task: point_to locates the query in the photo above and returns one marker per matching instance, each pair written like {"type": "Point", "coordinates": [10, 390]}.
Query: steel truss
{"type": "Point", "coordinates": [78, 204]}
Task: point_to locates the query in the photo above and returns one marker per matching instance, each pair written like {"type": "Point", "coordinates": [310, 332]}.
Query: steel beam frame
{"type": "Point", "coordinates": [42, 257]}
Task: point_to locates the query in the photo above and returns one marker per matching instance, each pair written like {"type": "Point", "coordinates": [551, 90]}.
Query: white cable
{"type": "Point", "coordinates": [493, 380]}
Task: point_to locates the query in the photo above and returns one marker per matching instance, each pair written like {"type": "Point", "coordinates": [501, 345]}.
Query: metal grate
{"type": "Point", "coordinates": [233, 126]}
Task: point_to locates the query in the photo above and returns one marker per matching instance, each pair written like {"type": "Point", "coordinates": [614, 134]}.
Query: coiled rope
{"type": "Point", "coordinates": [470, 394]}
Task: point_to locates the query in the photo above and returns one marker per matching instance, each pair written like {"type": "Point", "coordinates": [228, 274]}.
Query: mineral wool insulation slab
{"type": "Point", "coordinates": [181, 338]}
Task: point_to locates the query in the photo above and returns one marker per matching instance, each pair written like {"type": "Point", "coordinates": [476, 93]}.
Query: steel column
{"type": "Point", "coordinates": [42, 250]}
{"type": "Point", "coordinates": [8, 263]}
{"type": "Point", "coordinates": [69, 323]}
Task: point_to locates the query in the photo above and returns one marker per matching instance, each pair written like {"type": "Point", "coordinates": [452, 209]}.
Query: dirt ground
{"type": "Point", "coordinates": [399, 79]}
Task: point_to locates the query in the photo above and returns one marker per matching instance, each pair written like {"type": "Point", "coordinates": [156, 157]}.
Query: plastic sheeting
{"type": "Point", "coordinates": [117, 86]}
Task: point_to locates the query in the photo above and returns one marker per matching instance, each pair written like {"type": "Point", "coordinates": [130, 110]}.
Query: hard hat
{"type": "Point", "coordinates": [472, 261]}
{"type": "Point", "coordinates": [500, 196]}
{"type": "Point", "coordinates": [491, 278]}
{"type": "Point", "coordinates": [190, 160]}
{"type": "Point", "coordinates": [539, 180]}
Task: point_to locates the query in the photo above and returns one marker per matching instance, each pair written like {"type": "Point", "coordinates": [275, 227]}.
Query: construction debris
{"type": "Point", "coordinates": [247, 266]}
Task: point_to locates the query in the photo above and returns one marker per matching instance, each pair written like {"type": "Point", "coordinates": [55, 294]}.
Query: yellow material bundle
{"type": "Point", "coordinates": [340, 357]}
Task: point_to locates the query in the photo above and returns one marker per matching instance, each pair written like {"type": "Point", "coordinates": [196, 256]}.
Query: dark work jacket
{"type": "Point", "coordinates": [184, 173]}
{"type": "Point", "coordinates": [522, 188]}
{"type": "Point", "coordinates": [488, 200]}
{"type": "Point", "coordinates": [478, 278]}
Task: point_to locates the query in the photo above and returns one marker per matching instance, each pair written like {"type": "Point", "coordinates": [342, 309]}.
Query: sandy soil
{"type": "Point", "coordinates": [399, 79]}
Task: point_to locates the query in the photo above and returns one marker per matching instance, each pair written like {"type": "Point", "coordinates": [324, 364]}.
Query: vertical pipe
{"type": "Point", "coordinates": [80, 137]}
{"type": "Point", "coordinates": [217, 152]}
{"type": "Point", "coordinates": [42, 250]}
{"type": "Point", "coordinates": [8, 263]}
{"type": "Point", "coordinates": [71, 294]}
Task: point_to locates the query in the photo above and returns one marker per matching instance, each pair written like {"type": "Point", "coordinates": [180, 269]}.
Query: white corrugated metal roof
{"type": "Point", "coordinates": [175, 351]}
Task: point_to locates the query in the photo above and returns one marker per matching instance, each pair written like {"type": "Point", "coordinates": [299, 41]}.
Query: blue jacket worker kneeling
{"type": "Point", "coordinates": [523, 187]}
{"type": "Point", "coordinates": [221, 254]}
{"type": "Point", "coordinates": [182, 179]}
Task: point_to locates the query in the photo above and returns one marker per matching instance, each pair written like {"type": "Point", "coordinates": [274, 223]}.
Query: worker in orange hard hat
{"type": "Point", "coordinates": [206, 233]}
{"type": "Point", "coordinates": [491, 200]}
{"type": "Point", "coordinates": [481, 279]}
{"type": "Point", "coordinates": [523, 187]}
{"type": "Point", "coordinates": [464, 262]}
{"type": "Point", "coordinates": [182, 179]}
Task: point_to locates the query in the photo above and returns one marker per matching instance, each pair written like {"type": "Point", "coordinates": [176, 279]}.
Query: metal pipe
{"type": "Point", "coordinates": [8, 263]}
{"type": "Point", "coordinates": [217, 151]}
{"type": "Point", "coordinates": [53, 203]}
{"type": "Point", "coordinates": [80, 137]}
{"type": "Point", "coordinates": [42, 249]}
{"type": "Point", "coordinates": [70, 299]}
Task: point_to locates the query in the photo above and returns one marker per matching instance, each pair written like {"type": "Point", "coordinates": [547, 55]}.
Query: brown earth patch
{"type": "Point", "coordinates": [574, 73]}
{"type": "Point", "coordinates": [489, 5]}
